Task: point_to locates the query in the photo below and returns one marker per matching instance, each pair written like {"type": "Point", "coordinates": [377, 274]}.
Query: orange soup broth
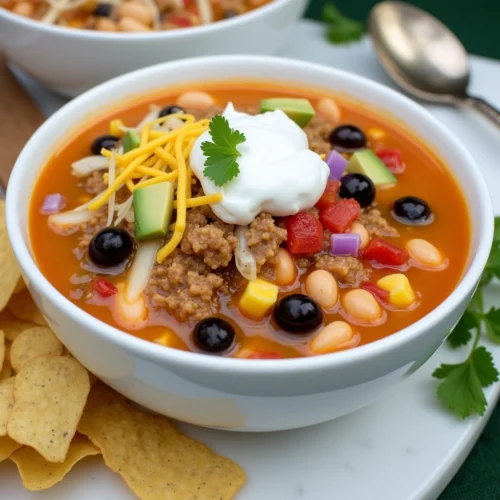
{"type": "Point", "coordinates": [425, 176]}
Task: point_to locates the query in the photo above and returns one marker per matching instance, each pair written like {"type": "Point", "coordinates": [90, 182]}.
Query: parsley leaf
{"type": "Point", "coordinates": [461, 386]}
{"type": "Point", "coordinates": [485, 369]}
{"type": "Point", "coordinates": [492, 324]}
{"type": "Point", "coordinates": [461, 389]}
{"type": "Point", "coordinates": [461, 334]}
{"type": "Point", "coordinates": [341, 29]}
{"type": "Point", "coordinates": [222, 153]}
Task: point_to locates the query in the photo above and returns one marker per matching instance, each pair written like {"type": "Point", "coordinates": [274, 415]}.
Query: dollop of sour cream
{"type": "Point", "coordinates": [279, 174]}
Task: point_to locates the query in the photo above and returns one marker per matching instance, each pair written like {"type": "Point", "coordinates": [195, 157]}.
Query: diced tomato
{"type": "Point", "coordinates": [183, 21]}
{"type": "Point", "coordinates": [340, 216]}
{"type": "Point", "coordinates": [305, 234]}
{"type": "Point", "coordinates": [379, 293]}
{"type": "Point", "coordinates": [103, 288]}
{"type": "Point", "coordinates": [264, 355]}
{"type": "Point", "coordinates": [392, 159]}
{"type": "Point", "coordinates": [385, 253]}
{"type": "Point", "coordinates": [329, 196]}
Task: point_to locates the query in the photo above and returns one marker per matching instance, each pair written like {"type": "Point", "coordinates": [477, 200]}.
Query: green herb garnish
{"type": "Point", "coordinates": [221, 165]}
{"type": "Point", "coordinates": [341, 29]}
{"type": "Point", "coordinates": [461, 389]}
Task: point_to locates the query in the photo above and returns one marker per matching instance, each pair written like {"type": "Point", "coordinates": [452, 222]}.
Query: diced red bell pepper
{"type": "Point", "coordinates": [392, 159]}
{"type": "Point", "coordinates": [305, 234]}
{"type": "Point", "coordinates": [103, 288]}
{"type": "Point", "coordinates": [329, 196]}
{"type": "Point", "coordinates": [385, 253]}
{"type": "Point", "coordinates": [264, 355]}
{"type": "Point", "coordinates": [340, 216]}
{"type": "Point", "coordinates": [379, 293]}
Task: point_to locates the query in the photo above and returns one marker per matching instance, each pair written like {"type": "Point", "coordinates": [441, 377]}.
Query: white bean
{"type": "Point", "coordinates": [322, 287]}
{"type": "Point", "coordinates": [361, 305]}
{"type": "Point", "coordinates": [195, 99]}
{"type": "Point", "coordinates": [131, 25]}
{"type": "Point", "coordinates": [332, 337]}
{"type": "Point", "coordinates": [285, 269]}
{"type": "Point", "coordinates": [25, 9]}
{"type": "Point", "coordinates": [328, 109]}
{"type": "Point", "coordinates": [358, 228]}
{"type": "Point", "coordinates": [105, 24]}
{"type": "Point", "coordinates": [138, 11]}
{"type": "Point", "coordinates": [425, 253]}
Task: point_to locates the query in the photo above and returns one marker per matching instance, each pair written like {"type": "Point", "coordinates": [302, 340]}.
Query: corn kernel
{"type": "Point", "coordinates": [258, 298]}
{"type": "Point", "coordinates": [115, 128]}
{"type": "Point", "coordinates": [376, 134]}
{"type": "Point", "coordinates": [165, 340]}
{"type": "Point", "coordinates": [400, 291]}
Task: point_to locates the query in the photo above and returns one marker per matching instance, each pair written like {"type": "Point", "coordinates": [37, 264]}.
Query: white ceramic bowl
{"type": "Point", "coordinates": [70, 61]}
{"type": "Point", "coordinates": [239, 394]}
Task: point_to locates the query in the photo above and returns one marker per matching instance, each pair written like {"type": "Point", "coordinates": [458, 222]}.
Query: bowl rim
{"type": "Point", "coordinates": [84, 34]}
{"type": "Point", "coordinates": [218, 364]}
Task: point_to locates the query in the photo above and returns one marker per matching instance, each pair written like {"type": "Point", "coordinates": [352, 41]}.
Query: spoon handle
{"type": "Point", "coordinates": [484, 108]}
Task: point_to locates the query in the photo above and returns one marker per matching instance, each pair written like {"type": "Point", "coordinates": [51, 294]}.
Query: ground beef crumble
{"type": "Point", "coordinates": [376, 225]}
{"type": "Point", "coordinates": [347, 270]}
{"type": "Point", "coordinates": [317, 131]}
{"type": "Point", "coordinates": [264, 238]}
{"type": "Point", "coordinates": [215, 241]}
{"type": "Point", "coordinates": [185, 286]}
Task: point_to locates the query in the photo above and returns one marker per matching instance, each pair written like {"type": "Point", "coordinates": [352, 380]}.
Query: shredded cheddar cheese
{"type": "Point", "coordinates": [162, 155]}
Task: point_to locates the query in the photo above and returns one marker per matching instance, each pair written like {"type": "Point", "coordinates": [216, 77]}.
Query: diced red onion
{"type": "Point", "coordinates": [53, 204]}
{"type": "Point", "coordinates": [345, 244]}
{"type": "Point", "coordinates": [337, 164]}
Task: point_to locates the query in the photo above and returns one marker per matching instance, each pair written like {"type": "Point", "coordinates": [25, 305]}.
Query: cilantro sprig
{"type": "Point", "coordinates": [462, 384]}
{"type": "Point", "coordinates": [341, 29]}
{"type": "Point", "coordinates": [221, 165]}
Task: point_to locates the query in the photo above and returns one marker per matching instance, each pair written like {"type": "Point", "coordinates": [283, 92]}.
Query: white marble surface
{"type": "Point", "coordinates": [403, 447]}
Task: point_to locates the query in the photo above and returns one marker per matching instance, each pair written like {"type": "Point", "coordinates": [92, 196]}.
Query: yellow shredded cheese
{"type": "Point", "coordinates": [180, 222]}
{"type": "Point", "coordinates": [198, 201]}
{"type": "Point", "coordinates": [189, 174]}
{"type": "Point", "coordinates": [167, 157]}
{"type": "Point", "coordinates": [161, 156]}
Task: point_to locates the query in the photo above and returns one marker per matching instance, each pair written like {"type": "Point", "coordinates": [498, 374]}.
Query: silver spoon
{"type": "Point", "coordinates": [423, 56]}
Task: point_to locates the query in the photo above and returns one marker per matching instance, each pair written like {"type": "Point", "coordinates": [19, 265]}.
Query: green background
{"type": "Point", "coordinates": [477, 24]}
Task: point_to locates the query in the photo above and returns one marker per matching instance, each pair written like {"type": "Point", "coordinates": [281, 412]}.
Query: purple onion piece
{"type": "Point", "coordinates": [53, 204]}
{"type": "Point", "coordinates": [345, 244]}
{"type": "Point", "coordinates": [337, 164]}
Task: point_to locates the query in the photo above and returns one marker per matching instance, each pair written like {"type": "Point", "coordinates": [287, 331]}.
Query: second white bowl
{"type": "Point", "coordinates": [70, 61]}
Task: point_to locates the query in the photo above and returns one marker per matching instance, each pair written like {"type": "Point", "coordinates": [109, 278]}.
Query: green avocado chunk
{"type": "Point", "coordinates": [131, 141]}
{"type": "Point", "coordinates": [368, 163]}
{"type": "Point", "coordinates": [153, 210]}
{"type": "Point", "coordinates": [299, 110]}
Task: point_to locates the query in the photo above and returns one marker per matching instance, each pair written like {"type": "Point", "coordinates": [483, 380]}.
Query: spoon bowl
{"type": "Point", "coordinates": [423, 56]}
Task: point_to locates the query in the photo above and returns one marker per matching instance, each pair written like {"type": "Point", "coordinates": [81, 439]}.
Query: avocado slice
{"type": "Point", "coordinates": [368, 163]}
{"type": "Point", "coordinates": [299, 110]}
{"type": "Point", "coordinates": [153, 210]}
{"type": "Point", "coordinates": [131, 141]}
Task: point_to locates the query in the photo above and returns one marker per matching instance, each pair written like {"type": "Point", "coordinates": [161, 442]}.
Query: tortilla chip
{"type": "Point", "coordinates": [2, 347]}
{"type": "Point", "coordinates": [22, 306]}
{"type": "Point", "coordinates": [12, 326]}
{"type": "Point", "coordinates": [38, 474]}
{"type": "Point", "coordinates": [6, 403]}
{"type": "Point", "coordinates": [10, 273]}
{"type": "Point", "coordinates": [7, 447]}
{"type": "Point", "coordinates": [153, 457]}
{"type": "Point", "coordinates": [20, 286]}
{"type": "Point", "coordinates": [37, 341]}
{"type": "Point", "coordinates": [49, 395]}
{"type": "Point", "coordinates": [6, 371]}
